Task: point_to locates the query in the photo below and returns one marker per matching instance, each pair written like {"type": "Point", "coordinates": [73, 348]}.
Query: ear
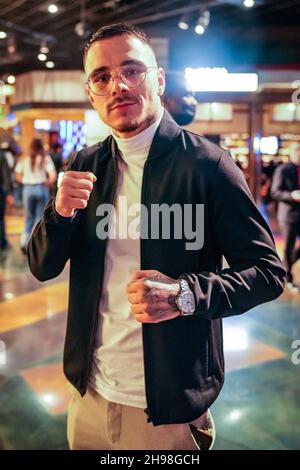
{"type": "Point", "coordinates": [161, 81]}
{"type": "Point", "coordinates": [90, 96]}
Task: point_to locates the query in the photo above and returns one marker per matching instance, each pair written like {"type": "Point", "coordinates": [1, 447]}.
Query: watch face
{"type": "Point", "coordinates": [186, 303]}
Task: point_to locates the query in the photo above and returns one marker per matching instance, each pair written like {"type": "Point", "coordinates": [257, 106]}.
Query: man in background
{"type": "Point", "coordinates": [286, 190]}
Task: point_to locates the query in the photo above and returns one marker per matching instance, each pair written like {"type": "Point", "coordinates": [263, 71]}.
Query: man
{"type": "Point", "coordinates": [179, 99]}
{"type": "Point", "coordinates": [6, 197]}
{"type": "Point", "coordinates": [144, 325]}
{"type": "Point", "coordinates": [286, 190]}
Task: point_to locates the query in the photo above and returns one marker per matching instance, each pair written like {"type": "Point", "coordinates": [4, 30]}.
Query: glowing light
{"type": "Point", "coordinates": [11, 49]}
{"type": "Point", "coordinates": [235, 339]}
{"type": "Point", "coordinates": [199, 29]}
{"type": "Point", "coordinates": [53, 8]}
{"type": "Point", "coordinates": [3, 35]}
{"type": "Point", "coordinates": [249, 3]}
{"type": "Point", "coordinates": [269, 145]}
{"type": "Point", "coordinates": [42, 57]}
{"type": "Point", "coordinates": [219, 79]}
{"type": "Point", "coordinates": [44, 49]}
{"type": "Point", "coordinates": [9, 296]}
{"type": "Point", "coordinates": [50, 64]}
{"type": "Point", "coordinates": [48, 398]}
{"type": "Point", "coordinates": [234, 415]}
{"type": "Point", "coordinates": [11, 79]}
{"type": "Point", "coordinates": [183, 25]}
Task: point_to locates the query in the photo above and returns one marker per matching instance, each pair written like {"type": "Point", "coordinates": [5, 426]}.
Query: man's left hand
{"type": "Point", "coordinates": [152, 296]}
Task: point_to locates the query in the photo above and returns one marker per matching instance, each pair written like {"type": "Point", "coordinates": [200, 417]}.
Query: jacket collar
{"type": "Point", "coordinates": [162, 142]}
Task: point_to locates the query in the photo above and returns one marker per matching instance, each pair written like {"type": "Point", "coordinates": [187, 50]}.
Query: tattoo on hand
{"type": "Point", "coordinates": [172, 299]}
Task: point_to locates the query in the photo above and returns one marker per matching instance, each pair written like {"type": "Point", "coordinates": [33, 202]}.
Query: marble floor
{"type": "Point", "coordinates": [258, 408]}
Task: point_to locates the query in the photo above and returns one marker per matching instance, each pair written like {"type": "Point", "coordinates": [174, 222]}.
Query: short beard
{"type": "Point", "coordinates": [134, 125]}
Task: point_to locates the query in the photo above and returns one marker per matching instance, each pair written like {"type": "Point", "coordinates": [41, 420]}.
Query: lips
{"type": "Point", "coordinates": [121, 105]}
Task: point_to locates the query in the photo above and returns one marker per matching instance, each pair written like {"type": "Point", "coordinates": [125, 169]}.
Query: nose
{"type": "Point", "coordinates": [117, 84]}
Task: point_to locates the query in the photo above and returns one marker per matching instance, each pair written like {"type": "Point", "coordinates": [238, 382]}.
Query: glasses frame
{"type": "Point", "coordinates": [112, 78]}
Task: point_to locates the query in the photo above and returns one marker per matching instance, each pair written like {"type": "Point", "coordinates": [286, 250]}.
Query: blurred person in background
{"type": "Point", "coordinates": [286, 190]}
{"type": "Point", "coordinates": [179, 99]}
{"type": "Point", "coordinates": [37, 173]}
{"type": "Point", "coordinates": [57, 157]}
{"type": "Point", "coordinates": [6, 197]}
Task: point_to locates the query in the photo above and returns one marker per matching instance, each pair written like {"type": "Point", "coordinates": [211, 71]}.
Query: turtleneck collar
{"type": "Point", "coordinates": [138, 145]}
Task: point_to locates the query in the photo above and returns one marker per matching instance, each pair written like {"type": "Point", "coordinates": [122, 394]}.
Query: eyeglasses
{"type": "Point", "coordinates": [101, 83]}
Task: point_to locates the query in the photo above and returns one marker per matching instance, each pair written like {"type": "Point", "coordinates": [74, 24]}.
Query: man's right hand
{"type": "Point", "coordinates": [296, 195]}
{"type": "Point", "coordinates": [74, 192]}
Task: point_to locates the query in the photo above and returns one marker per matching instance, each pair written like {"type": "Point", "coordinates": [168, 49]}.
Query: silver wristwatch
{"type": "Point", "coordinates": [185, 299]}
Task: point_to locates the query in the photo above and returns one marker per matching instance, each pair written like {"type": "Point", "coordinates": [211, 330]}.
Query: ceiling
{"type": "Point", "coordinates": [267, 34]}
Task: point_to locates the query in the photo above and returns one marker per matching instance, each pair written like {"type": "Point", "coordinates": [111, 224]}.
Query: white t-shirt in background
{"type": "Point", "coordinates": [39, 174]}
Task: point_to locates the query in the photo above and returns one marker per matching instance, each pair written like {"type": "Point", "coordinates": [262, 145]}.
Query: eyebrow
{"type": "Point", "coordinates": [104, 68]}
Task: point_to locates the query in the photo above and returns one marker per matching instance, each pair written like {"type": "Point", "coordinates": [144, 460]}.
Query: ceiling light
{"type": "Point", "coordinates": [249, 3]}
{"type": "Point", "coordinates": [199, 29]}
{"type": "Point", "coordinates": [44, 49]}
{"type": "Point", "coordinates": [203, 22]}
{"type": "Point", "coordinates": [183, 25]}
{"type": "Point", "coordinates": [11, 79]}
{"type": "Point", "coordinates": [3, 35]}
{"type": "Point", "coordinates": [183, 22]}
{"type": "Point", "coordinates": [52, 8]}
{"type": "Point", "coordinates": [205, 18]}
{"type": "Point", "coordinates": [42, 57]}
{"type": "Point", "coordinates": [11, 49]}
{"type": "Point", "coordinates": [50, 64]}
{"type": "Point", "coordinates": [80, 29]}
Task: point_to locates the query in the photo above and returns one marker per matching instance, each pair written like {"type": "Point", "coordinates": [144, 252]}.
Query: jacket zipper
{"type": "Point", "coordinates": [147, 409]}
{"type": "Point", "coordinates": [210, 352]}
{"type": "Point", "coordinates": [101, 285]}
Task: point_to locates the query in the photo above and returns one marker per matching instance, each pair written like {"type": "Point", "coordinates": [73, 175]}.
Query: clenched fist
{"type": "Point", "coordinates": [74, 192]}
{"type": "Point", "coordinates": [152, 296]}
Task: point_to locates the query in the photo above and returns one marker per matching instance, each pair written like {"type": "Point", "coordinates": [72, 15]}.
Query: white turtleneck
{"type": "Point", "coordinates": [118, 365]}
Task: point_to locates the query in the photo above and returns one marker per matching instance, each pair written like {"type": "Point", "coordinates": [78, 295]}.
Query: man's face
{"type": "Point", "coordinates": [127, 110]}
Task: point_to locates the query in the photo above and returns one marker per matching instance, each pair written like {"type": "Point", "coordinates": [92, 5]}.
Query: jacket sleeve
{"type": "Point", "coordinates": [49, 246]}
{"type": "Point", "coordinates": [255, 274]}
{"type": "Point", "coordinates": [278, 190]}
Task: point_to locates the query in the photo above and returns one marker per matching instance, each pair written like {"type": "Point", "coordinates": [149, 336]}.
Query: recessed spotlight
{"type": "Point", "coordinates": [11, 79]}
{"type": "Point", "coordinates": [249, 3]}
{"type": "Point", "coordinates": [50, 64]}
{"type": "Point", "coordinates": [44, 49]}
{"type": "Point", "coordinates": [42, 57]}
{"type": "Point", "coordinates": [183, 25]}
{"type": "Point", "coordinates": [3, 35]}
{"type": "Point", "coordinates": [53, 8]}
{"type": "Point", "coordinates": [199, 29]}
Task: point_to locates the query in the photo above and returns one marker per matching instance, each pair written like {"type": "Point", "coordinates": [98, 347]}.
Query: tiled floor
{"type": "Point", "coordinates": [258, 408]}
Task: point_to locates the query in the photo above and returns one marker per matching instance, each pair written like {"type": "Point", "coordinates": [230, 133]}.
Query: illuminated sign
{"type": "Point", "coordinates": [219, 79]}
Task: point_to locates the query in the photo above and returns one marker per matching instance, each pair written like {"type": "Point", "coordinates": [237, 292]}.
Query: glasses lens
{"type": "Point", "coordinates": [133, 75]}
{"type": "Point", "coordinates": [100, 83]}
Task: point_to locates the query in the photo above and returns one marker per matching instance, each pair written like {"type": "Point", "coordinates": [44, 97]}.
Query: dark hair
{"type": "Point", "coordinates": [112, 30]}
{"type": "Point", "coordinates": [37, 148]}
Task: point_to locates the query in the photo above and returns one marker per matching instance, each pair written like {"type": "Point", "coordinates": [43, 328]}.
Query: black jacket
{"type": "Point", "coordinates": [6, 184]}
{"type": "Point", "coordinates": [285, 181]}
{"type": "Point", "coordinates": [183, 357]}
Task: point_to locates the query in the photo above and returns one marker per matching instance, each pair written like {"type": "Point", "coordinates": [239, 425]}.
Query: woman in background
{"type": "Point", "coordinates": [37, 173]}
